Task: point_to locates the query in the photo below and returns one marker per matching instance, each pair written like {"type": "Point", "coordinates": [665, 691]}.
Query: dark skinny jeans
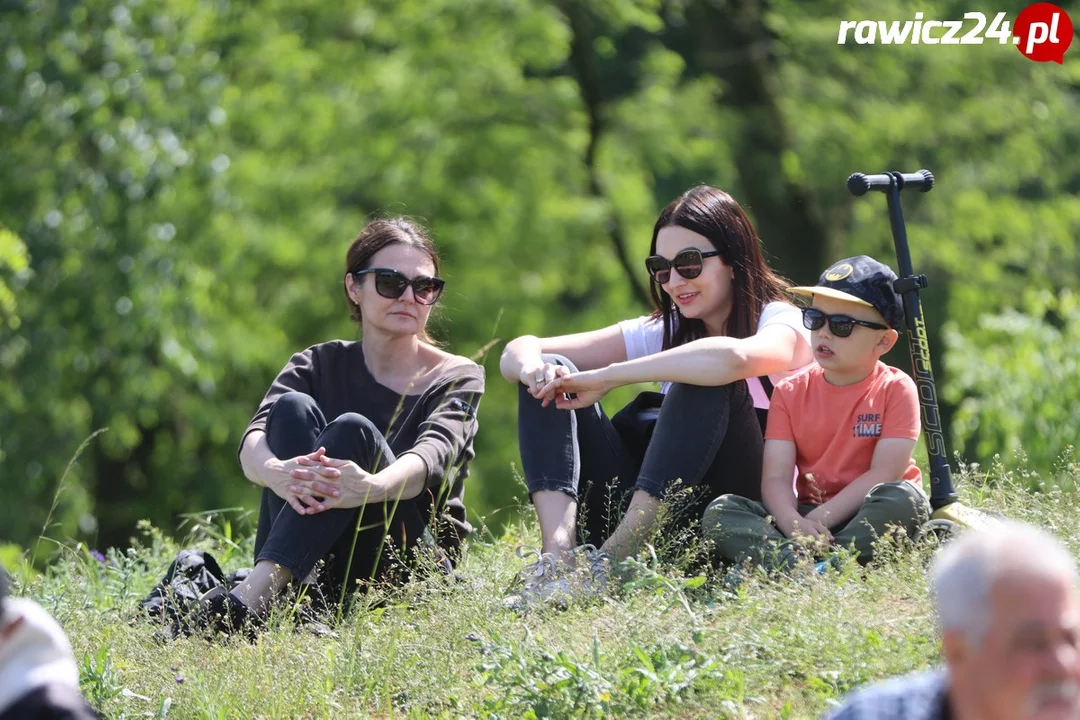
{"type": "Point", "coordinates": [381, 531]}
{"type": "Point", "coordinates": [707, 442]}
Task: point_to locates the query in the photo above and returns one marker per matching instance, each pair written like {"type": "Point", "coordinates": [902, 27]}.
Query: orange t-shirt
{"type": "Point", "coordinates": [835, 428]}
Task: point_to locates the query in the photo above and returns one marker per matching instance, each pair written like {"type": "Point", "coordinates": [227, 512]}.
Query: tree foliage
{"type": "Point", "coordinates": [179, 181]}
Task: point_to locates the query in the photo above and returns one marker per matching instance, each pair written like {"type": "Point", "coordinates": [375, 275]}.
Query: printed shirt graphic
{"type": "Point", "coordinates": [836, 428]}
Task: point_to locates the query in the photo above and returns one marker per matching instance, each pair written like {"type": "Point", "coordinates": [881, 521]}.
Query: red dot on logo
{"type": "Point", "coordinates": [1043, 32]}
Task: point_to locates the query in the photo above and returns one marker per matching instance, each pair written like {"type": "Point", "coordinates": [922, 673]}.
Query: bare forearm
{"type": "Point", "coordinates": [254, 455]}
{"type": "Point", "coordinates": [402, 480]}
{"type": "Point", "coordinates": [708, 361]}
{"type": "Point", "coordinates": [637, 522]}
{"type": "Point", "coordinates": [516, 354]}
{"type": "Point", "coordinates": [779, 499]}
{"type": "Point", "coordinates": [843, 506]}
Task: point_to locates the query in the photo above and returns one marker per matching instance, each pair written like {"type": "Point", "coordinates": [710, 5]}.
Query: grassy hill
{"type": "Point", "coordinates": [667, 643]}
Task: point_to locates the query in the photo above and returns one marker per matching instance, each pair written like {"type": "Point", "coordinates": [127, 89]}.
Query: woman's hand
{"type": "Point", "coordinates": [538, 376]}
{"type": "Point", "coordinates": [278, 475]}
{"type": "Point", "coordinates": [328, 483]}
{"type": "Point", "coordinates": [588, 386]}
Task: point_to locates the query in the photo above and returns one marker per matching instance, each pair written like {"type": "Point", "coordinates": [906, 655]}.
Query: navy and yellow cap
{"type": "Point", "coordinates": [863, 280]}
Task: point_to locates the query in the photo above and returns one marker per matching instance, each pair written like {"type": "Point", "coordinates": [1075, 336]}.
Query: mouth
{"type": "Point", "coordinates": [823, 351]}
{"type": "Point", "coordinates": [403, 314]}
{"type": "Point", "coordinates": [686, 298]}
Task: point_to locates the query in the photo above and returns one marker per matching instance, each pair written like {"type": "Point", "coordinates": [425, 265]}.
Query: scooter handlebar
{"type": "Point", "coordinates": [860, 183]}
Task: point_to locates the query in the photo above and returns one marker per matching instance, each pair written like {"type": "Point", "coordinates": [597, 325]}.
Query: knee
{"type": "Point", "coordinates": [557, 359]}
{"type": "Point", "coordinates": [553, 358]}
{"type": "Point", "coordinates": [295, 401]}
{"type": "Point", "coordinates": [352, 423]}
{"type": "Point", "coordinates": [902, 495]}
{"type": "Point", "coordinates": [349, 434]}
{"type": "Point", "coordinates": [712, 518]}
{"type": "Point", "coordinates": [901, 490]}
{"type": "Point", "coordinates": [291, 412]}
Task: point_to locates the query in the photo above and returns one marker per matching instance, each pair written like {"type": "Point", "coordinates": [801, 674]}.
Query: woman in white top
{"type": "Point", "coordinates": [721, 324]}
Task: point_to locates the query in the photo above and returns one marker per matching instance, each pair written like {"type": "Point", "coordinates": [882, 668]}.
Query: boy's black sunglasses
{"type": "Point", "coordinates": [839, 325]}
{"type": "Point", "coordinates": [688, 263]}
{"type": "Point", "coordinates": [391, 284]}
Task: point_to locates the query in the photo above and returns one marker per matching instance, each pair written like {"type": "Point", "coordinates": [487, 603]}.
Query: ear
{"type": "Point", "coordinates": [954, 648]}
{"type": "Point", "coordinates": [352, 287]}
{"type": "Point", "coordinates": [887, 341]}
{"type": "Point", "coordinates": [11, 628]}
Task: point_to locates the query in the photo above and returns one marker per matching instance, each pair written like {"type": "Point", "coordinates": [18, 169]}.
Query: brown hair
{"type": "Point", "coordinates": [716, 215]}
{"type": "Point", "coordinates": [377, 235]}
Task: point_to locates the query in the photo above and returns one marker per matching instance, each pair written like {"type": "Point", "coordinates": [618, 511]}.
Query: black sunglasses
{"type": "Point", "coordinates": [391, 284]}
{"type": "Point", "coordinates": [839, 325]}
{"type": "Point", "coordinates": [688, 263]}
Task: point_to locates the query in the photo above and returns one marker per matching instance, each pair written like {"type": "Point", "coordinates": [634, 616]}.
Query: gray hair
{"type": "Point", "coordinates": [965, 571]}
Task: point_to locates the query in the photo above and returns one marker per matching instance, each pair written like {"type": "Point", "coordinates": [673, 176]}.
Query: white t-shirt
{"type": "Point", "coordinates": [645, 336]}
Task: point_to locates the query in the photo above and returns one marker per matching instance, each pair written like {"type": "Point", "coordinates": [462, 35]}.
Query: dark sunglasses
{"type": "Point", "coordinates": [839, 325]}
{"type": "Point", "coordinates": [688, 263]}
{"type": "Point", "coordinates": [391, 284]}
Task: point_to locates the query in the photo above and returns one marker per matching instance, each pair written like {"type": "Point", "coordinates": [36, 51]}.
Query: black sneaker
{"type": "Point", "coordinates": [222, 612]}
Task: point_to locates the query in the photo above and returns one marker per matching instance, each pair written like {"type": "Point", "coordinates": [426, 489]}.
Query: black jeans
{"type": "Point", "coordinates": [707, 442]}
{"type": "Point", "coordinates": [358, 543]}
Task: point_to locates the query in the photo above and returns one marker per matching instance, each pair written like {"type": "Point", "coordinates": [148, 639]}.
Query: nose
{"type": "Point", "coordinates": [409, 293]}
{"type": "Point", "coordinates": [675, 280]}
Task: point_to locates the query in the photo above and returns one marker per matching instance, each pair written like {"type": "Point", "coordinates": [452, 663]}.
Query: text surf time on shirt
{"type": "Point", "coordinates": [1041, 32]}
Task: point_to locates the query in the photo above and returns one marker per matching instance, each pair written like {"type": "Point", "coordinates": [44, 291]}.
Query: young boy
{"type": "Point", "coordinates": [849, 422]}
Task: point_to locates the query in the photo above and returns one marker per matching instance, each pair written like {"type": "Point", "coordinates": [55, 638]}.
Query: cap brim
{"type": "Point", "coordinates": [828, 292]}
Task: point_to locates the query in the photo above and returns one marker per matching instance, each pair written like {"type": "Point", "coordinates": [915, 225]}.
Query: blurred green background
{"type": "Point", "coordinates": [179, 180]}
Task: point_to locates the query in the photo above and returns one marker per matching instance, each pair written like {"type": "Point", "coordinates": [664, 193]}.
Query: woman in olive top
{"type": "Point", "coordinates": [362, 448]}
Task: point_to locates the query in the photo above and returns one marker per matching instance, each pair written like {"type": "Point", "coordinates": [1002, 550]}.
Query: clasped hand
{"type": "Point", "coordinates": [553, 383]}
{"type": "Point", "coordinates": [809, 526]}
{"type": "Point", "coordinates": [314, 483]}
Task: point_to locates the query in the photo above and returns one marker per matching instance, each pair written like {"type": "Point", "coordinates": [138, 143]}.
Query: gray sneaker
{"type": "Point", "coordinates": [594, 574]}
{"type": "Point", "coordinates": [540, 582]}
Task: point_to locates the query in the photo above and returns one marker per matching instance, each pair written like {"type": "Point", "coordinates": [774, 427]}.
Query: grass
{"type": "Point", "coordinates": [666, 644]}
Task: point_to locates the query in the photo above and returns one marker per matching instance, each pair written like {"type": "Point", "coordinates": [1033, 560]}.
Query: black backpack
{"type": "Point", "coordinates": [174, 601]}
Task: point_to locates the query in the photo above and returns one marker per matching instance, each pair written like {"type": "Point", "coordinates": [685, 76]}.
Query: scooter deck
{"type": "Point", "coordinates": [964, 516]}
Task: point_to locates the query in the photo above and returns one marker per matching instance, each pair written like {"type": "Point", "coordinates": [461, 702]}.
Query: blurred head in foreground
{"type": "Point", "coordinates": [1007, 603]}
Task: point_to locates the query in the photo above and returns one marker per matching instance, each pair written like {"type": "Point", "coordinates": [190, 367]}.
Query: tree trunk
{"type": "Point", "coordinates": [731, 42]}
{"type": "Point", "coordinates": [584, 70]}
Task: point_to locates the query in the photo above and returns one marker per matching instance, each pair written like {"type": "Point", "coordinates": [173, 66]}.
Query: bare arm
{"type": "Point", "coordinates": [778, 468]}
{"type": "Point", "coordinates": [715, 361]}
{"type": "Point", "coordinates": [891, 457]}
{"type": "Point", "coordinates": [254, 454]}
{"type": "Point", "coordinates": [709, 361]}
{"type": "Point", "coordinates": [587, 350]}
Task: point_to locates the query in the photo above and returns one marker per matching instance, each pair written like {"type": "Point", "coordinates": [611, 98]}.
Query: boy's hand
{"type": "Point", "coordinates": [803, 526]}
{"type": "Point", "coordinates": [795, 524]}
{"type": "Point", "coordinates": [821, 516]}
{"type": "Point", "coordinates": [813, 529]}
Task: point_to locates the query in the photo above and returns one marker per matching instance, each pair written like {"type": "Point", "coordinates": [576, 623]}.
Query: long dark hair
{"type": "Point", "coordinates": [374, 237]}
{"type": "Point", "coordinates": [715, 215]}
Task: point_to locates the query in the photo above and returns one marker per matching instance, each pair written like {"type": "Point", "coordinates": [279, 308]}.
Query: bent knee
{"type": "Point", "coordinates": [718, 508]}
{"type": "Point", "coordinates": [354, 420]}
{"type": "Point", "coordinates": [295, 398]}
{"type": "Point", "coordinates": [557, 359]}
{"type": "Point", "coordinates": [897, 490]}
